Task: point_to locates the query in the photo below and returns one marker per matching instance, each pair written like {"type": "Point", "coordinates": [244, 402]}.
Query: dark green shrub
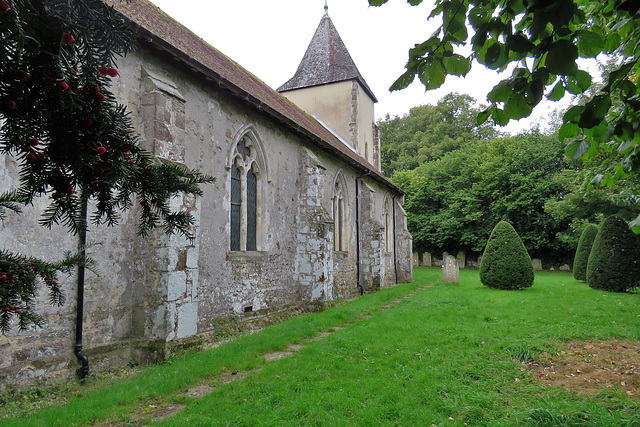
{"type": "Point", "coordinates": [506, 263]}
{"type": "Point", "coordinates": [582, 252]}
{"type": "Point", "coordinates": [614, 263]}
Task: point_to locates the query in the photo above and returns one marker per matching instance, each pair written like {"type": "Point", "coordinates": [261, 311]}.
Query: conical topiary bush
{"type": "Point", "coordinates": [506, 263]}
{"type": "Point", "coordinates": [614, 263]}
{"type": "Point", "coordinates": [582, 252]}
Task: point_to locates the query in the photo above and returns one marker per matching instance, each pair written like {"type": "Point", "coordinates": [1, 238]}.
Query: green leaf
{"type": "Point", "coordinates": [577, 148]}
{"type": "Point", "coordinates": [495, 56]}
{"type": "Point", "coordinates": [573, 114]}
{"type": "Point", "coordinates": [519, 43]}
{"type": "Point", "coordinates": [612, 42]}
{"type": "Point", "coordinates": [499, 117]}
{"type": "Point", "coordinates": [583, 79]}
{"type": "Point", "coordinates": [590, 43]}
{"type": "Point", "coordinates": [568, 130]}
{"type": "Point", "coordinates": [561, 58]}
{"type": "Point", "coordinates": [557, 93]}
{"type": "Point", "coordinates": [420, 49]}
{"type": "Point", "coordinates": [432, 73]}
{"type": "Point", "coordinates": [619, 74]}
{"type": "Point", "coordinates": [535, 91]}
{"type": "Point", "coordinates": [455, 12]}
{"type": "Point", "coordinates": [595, 111]}
{"type": "Point", "coordinates": [377, 2]}
{"type": "Point", "coordinates": [457, 65]}
{"type": "Point", "coordinates": [403, 81]}
{"type": "Point", "coordinates": [627, 88]}
{"type": "Point", "coordinates": [484, 115]}
{"type": "Point", "coordinates": [414, 2]}
{"type": "Point", "coordinates": [517, 107]}
{"type": "Point", "coordinates": [500, 92]}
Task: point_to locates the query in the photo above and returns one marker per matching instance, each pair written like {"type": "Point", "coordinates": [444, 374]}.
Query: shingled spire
{"type": "Point", "coordinates": [326, 61]}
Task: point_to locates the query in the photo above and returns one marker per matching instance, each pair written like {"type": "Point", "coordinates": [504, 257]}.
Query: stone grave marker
{"type": "Point", "coordinates": [426, 259]}
{"type": "Point", "coordinates": [450, 270]}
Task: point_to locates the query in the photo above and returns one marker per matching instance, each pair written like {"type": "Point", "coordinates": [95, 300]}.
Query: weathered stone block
{"type": "Point", "coordinates": [187, 320]}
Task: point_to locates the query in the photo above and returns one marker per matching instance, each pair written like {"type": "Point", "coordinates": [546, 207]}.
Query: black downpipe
{"type": "Point", "coordinates": [395, 241]}
{"type": "Point", "coordinates": [83, 371]}
{"type": "Point", "coordinates": [358, 284]}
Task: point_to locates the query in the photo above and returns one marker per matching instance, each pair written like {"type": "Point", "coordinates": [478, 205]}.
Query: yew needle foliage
{"type": "Point", "coordinates": [583, 251]}
{"type": "Point", "coordinates": [505, 262]}
{"type": "Point", "coordinates": [72, 141]}
{"type": "Point", "coordinates": [614, 262]}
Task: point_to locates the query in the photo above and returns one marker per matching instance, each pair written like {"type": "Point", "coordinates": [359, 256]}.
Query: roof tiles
{"type": "Point", "coordinates": [155, 26]}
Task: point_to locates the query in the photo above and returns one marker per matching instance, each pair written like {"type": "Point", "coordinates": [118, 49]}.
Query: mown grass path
{"type": "Point", "coordinates": [446, 355]}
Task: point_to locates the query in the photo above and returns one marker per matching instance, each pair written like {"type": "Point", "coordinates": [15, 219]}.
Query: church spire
{"type": "Point", "coordinates": [326, 61]}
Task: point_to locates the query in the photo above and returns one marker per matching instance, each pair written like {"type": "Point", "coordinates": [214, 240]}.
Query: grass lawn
{"type": "Point", "coordinates": [447, 355]}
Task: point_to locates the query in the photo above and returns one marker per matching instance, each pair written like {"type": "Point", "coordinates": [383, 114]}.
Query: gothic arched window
{"type": "Point", "coordinates": [388, 224]}
{"type": "Point", "coordinates": [245, 196]}
{"type": "Point", "coordinates": [339, 215]}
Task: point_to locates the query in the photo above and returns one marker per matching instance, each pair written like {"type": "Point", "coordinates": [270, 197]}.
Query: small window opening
{"type": "Point", "coordinates": [248, 309]}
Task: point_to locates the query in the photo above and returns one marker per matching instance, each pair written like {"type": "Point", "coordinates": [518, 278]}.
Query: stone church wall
{"type": "Point", "coordinates": [152, 294]}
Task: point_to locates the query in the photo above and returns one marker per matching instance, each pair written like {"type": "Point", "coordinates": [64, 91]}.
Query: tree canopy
{"type": "Point", "coordinates": [430, 131]}
{"type": "Point", "coordinates": [541, 42]}
{"type": "Point", "coordinates": [454, 202]}
{"type": "Point", "coordinates": [72, 141]}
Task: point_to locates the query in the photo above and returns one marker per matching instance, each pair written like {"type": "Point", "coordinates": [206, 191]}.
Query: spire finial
{"type": "Point", "coordinates": [326, 8]}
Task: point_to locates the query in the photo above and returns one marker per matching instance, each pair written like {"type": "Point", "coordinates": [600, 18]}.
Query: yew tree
{"type": "Point", "coordinates": [73, 143]}
{"type": "Point", "coordinates": [541, 42]}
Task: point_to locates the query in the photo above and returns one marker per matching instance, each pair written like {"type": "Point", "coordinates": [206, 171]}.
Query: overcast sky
{"type": "Point", "coordinates": [269, 38]}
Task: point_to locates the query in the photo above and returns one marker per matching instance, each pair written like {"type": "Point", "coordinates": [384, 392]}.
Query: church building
{"type": "Point", "coordinates": [300, 213]}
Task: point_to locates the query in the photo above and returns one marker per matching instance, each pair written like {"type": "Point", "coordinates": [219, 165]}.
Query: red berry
{"type": "Point", "coordinates": [30, 157]}
{"type": "Point", "coordinates": [100, 97]}
{"type": "Point", "coordinates": [53, 282]}
{"type": "Point", "coordinates": [33, 142]}
{"type": "Point", "coordinates": [103, 70]}
{"type": "Point", "coordinates": [112, 72]}
{"type": "Point", "coordinates": [63, 86]}
{"type": "Point", "coordinates": [68, 38]}
{"type": "Point", "coordinates": [22, 75]}
{"type": "Point", "coordinates": [101, 150]}
{"type": "Point", "coordinates": [7, 309]}
{"type": "Point", "coordinates": [17, 310]}
{"type": "Point", "coordinates": [10, 105]}
{"type": "Point", "coordinates": [4, 6]}
{"type": "Point", "coordinates": [96, 89]}
{"type": "Point", "coordinates": [21, 271]}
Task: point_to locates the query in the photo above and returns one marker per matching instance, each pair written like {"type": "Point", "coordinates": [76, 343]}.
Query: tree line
{"type": "Point", "coordinates": [461, 178]}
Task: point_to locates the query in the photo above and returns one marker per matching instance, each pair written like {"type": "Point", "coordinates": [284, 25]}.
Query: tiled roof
{"type": "Point", "coordinates": [326, 61]}
{"type": "Point", "coordinates": [156, 27]}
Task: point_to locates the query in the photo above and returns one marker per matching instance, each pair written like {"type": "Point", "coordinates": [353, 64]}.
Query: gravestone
{"type": "Point", "coordinates": [537, 264]}
{"type": "Point", "coordinates": [450, 270]}
{"type": "Point", "coordinates": [565, 267]}
{"type": "Point", "coordinates": [416, 259]}
{"type": "Point", "coordinates": [426, 259]}
{"type": "Point", "coordinates": [462, 259]}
